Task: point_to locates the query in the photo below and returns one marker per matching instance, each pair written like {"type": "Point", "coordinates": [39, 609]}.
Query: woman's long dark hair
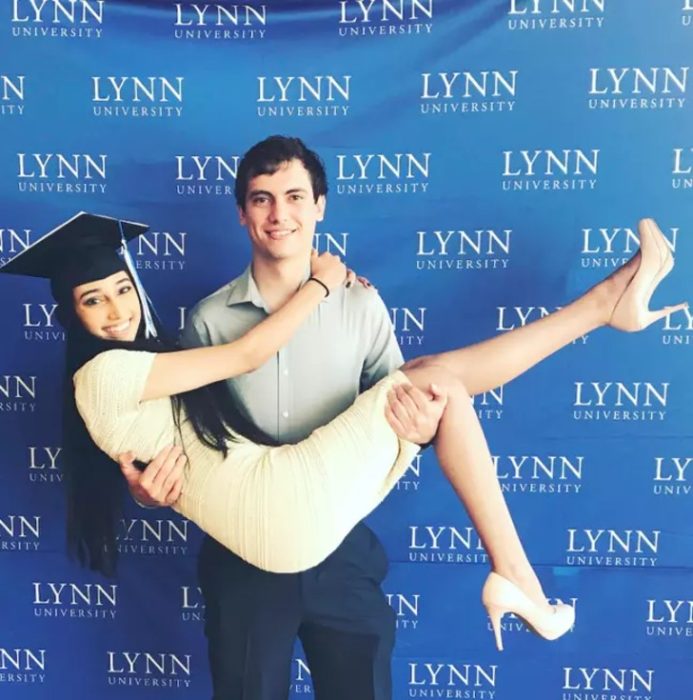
{"type": "Point", "coordinates": [94, 484]}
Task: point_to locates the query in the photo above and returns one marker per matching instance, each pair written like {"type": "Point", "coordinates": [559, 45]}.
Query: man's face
{"type": "Point", "coordinates": [281, 212]}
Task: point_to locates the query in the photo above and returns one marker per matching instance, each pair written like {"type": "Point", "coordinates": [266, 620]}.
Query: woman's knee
{"type": "Point", "coordinates": [436, 373]}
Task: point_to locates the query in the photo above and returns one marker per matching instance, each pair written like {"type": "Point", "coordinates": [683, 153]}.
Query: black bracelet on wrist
{"type": "Point", "coordinates": [321, 283]}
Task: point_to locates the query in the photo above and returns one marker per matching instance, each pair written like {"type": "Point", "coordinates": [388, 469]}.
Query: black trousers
{"type": "Point", "coordinates": [337, 609]}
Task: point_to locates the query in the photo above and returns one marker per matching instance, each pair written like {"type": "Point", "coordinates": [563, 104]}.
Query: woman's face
{"type": "Point", "coordinates": [109, 308]}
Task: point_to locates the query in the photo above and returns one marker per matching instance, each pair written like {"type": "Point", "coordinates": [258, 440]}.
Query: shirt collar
{"type": "Point", "coordinates": [245, 291]}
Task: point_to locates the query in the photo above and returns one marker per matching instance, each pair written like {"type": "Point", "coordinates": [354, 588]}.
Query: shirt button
{"type": "Point", "coordinates": [285, 414]}
{"type": "Point", "coordinates": [286, 372]}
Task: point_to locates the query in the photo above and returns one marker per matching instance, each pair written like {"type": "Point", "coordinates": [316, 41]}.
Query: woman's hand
{"type": "Point", "coordinates": [328, 268]}
{"type": "Point", "coordinates": [363, 281]}
{"type": "Point", "coordinates": [352, 278]}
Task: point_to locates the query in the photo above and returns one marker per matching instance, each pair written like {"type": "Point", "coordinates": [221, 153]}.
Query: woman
{"type": "Point", "coordinates": [285, 508]}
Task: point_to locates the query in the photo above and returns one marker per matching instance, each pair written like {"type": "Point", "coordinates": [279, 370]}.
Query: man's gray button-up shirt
{"type": "Point", "coordinates": [345, 346]}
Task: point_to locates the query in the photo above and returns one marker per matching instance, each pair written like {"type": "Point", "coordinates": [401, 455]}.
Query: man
{"type": "Point", "coordinates": [337, 609]}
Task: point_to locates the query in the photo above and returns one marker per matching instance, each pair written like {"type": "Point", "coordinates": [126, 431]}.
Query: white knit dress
{"type": "Point", "coordinates": [283, 509]}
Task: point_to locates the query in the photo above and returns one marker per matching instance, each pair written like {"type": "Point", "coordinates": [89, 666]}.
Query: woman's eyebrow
{"type": "Point", "coordinates": [89, 291]}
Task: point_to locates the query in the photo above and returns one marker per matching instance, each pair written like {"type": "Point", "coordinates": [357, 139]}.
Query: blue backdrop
{"type": "Point", "coordinates": [488, 160]}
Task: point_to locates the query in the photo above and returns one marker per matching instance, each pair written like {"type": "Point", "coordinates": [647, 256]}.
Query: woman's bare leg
{"type": "Point", "coordinates": [490, 363]}
{"type": "Point", "coordinates": [460, 443]}
{"type": "Point", "coordinates": [465, 459]}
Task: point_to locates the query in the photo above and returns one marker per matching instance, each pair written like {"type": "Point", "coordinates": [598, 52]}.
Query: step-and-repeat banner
{"type": "Point", "coordinates": [488, 160]}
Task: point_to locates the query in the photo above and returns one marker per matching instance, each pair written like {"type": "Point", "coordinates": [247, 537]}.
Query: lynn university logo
{"type": "Point", "coordinates": [551, 170]}
{"type": "Point", "coordinates": [460, 249]}
{"type": "Point", "coordinates": [62, 173]}
{"type": "Point", "coordinates": [192, 604]}
{"type": "Point", "coordinates": [161, 251]}
{"type": "Point", "coordinates": [12, 242]}
{"type": "Point", "coordinates": [61, 19]}
{"type": "Point", "coordinates": [18, 393]}
{"type": "Point", "coordinates": [12, 91]}
{"type": "Point", "coordinates": [445, 544]}
{"type": "Point", "coordinates": [206, 175]}
{"type": "Point", "coordinates": [409, 325]}
{"type": "Point", "coordinates": [406, 607]}
{"type": "Point", "coordinates": [634, 87]}
{"type": "Point", "coordinates": [20, 533]}
{"type": "Point", "coordinates": [44, 464]}
{"type": "Point", "coordinates": [383, 18]}
{"type": "Point", "coordinates": [669, 617]}
{"type": "Point", "coordinates": [608, 682]}
{"type": "Point", "coordinates": [153, 537]}
{"type": "Point", "coordinates": [672, 476]}
{"type": "Point", "coordinates": [137, 97]}
{"type": "Point", "coordinates": [468, 92]}
{"type": "Point", "coordinates": [612, 547]}
{"type": "Point", "coordinates": [620, 401]}
{"type": "Point", "coordinates": [452, 680]}
{"type": "Point", "coordinates": [539, 474]}
{"type": "Point", "coordinates": [22, 665]}
{"type": "Point", "coordinates": [402, 173]}
{"type": "Point", "coordinates": [682, 169]}
{"type": "Point", "coordinates": [214, 21]}
{"type": "Point", "coordinates": [552, 15]}
{"type": "Point", "coordinates": [161, 670]}
{"type": "Point", "coordinates": [84, 601]}
{"type": "Point", "coordinates": [40, 324]}
{"type": "Point", "coordinates": [303, 96]}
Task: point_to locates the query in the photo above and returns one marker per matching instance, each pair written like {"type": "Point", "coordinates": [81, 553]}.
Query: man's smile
{"type": "Point", "coordinates": [280, 234]}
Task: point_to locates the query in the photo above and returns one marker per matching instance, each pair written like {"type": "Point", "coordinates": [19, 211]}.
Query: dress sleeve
{"type": "Point", "coordinates": [108, 391]}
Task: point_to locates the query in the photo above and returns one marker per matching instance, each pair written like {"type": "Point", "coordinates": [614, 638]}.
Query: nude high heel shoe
{"type": "Point", "coordinates": [631, 312]}
{"type": "Point", "coordinates": [501, 596]}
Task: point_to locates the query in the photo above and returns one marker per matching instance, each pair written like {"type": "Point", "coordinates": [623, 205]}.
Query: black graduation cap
{"type": "Point", "coordinates": [84, 248]}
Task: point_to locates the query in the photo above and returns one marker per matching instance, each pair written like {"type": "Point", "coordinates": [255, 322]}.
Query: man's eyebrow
{"type": "Point", "coordinates": [254, 193]}
{"type": "Point", "coordinates": [293, 190]}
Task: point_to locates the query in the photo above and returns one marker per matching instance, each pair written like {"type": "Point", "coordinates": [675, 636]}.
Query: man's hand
{"type": "Point", "coordinates": [413, 414]}
{"type": "Point", "coordinates": [161, 483]}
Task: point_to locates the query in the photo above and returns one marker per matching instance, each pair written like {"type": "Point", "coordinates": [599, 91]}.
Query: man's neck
{"type": "Point", "coordinates": [278, 280]}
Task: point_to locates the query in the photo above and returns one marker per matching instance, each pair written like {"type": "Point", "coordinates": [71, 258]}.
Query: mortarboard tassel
{"type": "Point", "coordinates": [145, 301]}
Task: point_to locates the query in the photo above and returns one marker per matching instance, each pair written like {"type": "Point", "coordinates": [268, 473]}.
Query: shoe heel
{"type": "Point", "coordinates": [496, 615]}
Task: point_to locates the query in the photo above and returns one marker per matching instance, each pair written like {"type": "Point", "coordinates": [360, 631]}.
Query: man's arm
{"type": "Point", "coordinates": [413, 415]}
{"type": "Point", "coordinates": [161, 482]}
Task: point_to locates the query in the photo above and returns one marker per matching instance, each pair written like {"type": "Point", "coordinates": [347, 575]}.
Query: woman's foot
{"type": "Point", "coordinates": [524, 577]}
{"type": "Point", "coordinates": [608, 292]}
{"type": "Point", "coordinates": [501, 596]}
{"type": "Point", "coordinates": [630, 311]}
